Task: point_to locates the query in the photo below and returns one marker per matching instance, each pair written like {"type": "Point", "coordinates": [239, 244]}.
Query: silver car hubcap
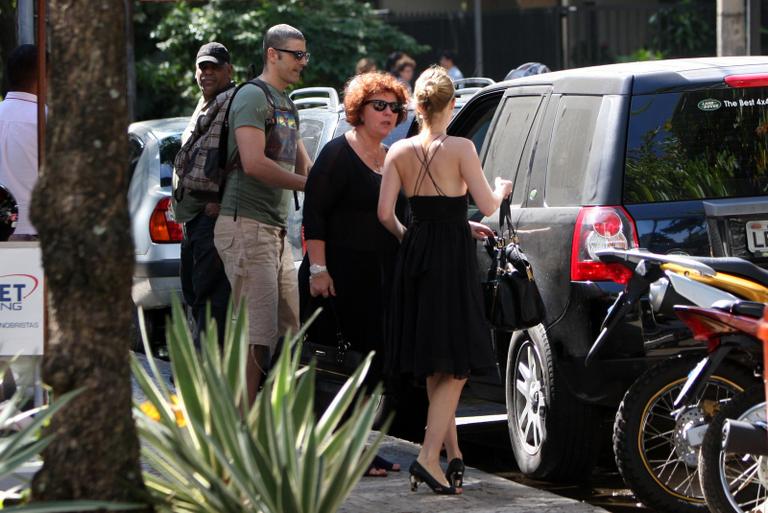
{"type": "Point", "coordinates": [529, 398]}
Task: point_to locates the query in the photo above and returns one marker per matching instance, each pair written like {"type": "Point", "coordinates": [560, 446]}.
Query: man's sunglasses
{"type": "Point", "coordinates": [380, 105]}
{"type": "Point", "coordinates": [297, 54]}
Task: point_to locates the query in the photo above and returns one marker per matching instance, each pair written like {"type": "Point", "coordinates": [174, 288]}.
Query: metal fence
{"type": "Point", "coordinates": [596, 34]}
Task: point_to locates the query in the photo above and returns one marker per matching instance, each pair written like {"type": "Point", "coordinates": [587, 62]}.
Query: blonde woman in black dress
{"type": "Point", "coordinates": [437, 328]}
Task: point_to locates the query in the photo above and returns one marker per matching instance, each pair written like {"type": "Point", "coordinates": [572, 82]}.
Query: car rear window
{"type": "Point", "coordinates": [696, 145]}
{"type": "Point", "coordinates": [311, 134]}
{"type": "Point", "coordinates": [169, 147]}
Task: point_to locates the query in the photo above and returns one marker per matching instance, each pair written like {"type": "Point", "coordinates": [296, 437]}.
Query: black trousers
{"type": "Point", "coordinates": [202, 275]}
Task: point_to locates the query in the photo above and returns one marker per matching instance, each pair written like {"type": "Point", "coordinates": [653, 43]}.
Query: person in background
{"type": "Point", "coordinates": [437, 328]}
{"type": "Point", "coordinates": [18, 135]}
{"type": "Point", "coordinates": [404, 68]}
{"type": "Point", "coordinates": [392, 58]}
{"type": "Point", "coordinates": [365, 65]}
{"type": "Point", "coordinates": [448, 61]}
{"type": "Point", "coordinates": [270, 162]}
{"type": "Point", "coordinates": [350, 256]}
{"type": "Point", "coordinates": [18, 173]}
{"type": "Point", "coordinates": [201, 270]}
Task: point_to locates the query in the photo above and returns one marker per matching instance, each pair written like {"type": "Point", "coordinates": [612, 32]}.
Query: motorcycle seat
{"type": "Point", "coordinates": [748, 308]}
{"type": "Point", "coordinates": [737, 266]}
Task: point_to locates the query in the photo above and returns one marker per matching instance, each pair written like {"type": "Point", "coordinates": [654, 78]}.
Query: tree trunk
{"type": "Point", "coordinates": [80, 210]}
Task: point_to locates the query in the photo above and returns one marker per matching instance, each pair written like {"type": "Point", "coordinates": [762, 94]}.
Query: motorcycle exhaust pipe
{"type": "Point", "coordinates": [745, 437]}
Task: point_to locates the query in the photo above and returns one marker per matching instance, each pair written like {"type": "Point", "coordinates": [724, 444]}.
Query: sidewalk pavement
{"type": "Point", "coordinates": [483, 492]}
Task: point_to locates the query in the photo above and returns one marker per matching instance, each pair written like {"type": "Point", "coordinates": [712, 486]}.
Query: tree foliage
{"type": "Point", "coordinates": [684, 28]}
{"type": "Point", "coordinates": [338, 33]}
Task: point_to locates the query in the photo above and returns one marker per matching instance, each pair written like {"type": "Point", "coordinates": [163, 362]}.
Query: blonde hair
{"type": "Point", "coordinates": [433, 92]}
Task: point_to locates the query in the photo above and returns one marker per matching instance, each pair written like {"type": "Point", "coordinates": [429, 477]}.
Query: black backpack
{"type": "Point", "coordinates": [201, 163]}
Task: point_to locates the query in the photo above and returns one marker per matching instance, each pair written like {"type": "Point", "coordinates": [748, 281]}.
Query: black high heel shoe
{"type": "Point", "coordinates": [455, 473]}
{"type": "Point", "coordinates": [421, 475]}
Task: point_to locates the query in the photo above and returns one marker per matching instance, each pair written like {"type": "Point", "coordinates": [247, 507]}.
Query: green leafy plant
{"type": "Point", "coordinates": [641, 54]}
{"type": "Point", "coordinates": [210, 453]}
{"type": "Point", "coordinates": [21, 443]}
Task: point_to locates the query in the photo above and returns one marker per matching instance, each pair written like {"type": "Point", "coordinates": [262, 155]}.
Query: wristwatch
{"type": "Point", "coordinates": [317, 269]}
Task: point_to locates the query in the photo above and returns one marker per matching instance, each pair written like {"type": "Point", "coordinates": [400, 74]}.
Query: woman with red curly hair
{"type": "Point", "coordinates": [350, 255]}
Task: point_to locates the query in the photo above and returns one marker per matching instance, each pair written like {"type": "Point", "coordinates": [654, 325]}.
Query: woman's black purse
{"type": "Point", "coordinates": [339, 358]}
{"type": "Point", "coordinates": [512, 299]}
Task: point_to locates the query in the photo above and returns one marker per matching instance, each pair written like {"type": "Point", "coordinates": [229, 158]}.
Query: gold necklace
{"type": "Point", "coordinates": [372, 156]}
{"type": "Point", "coordinates": [375, 158]}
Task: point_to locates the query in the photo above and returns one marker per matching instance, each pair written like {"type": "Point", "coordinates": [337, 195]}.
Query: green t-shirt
{"type": "Point", "coordinates": [245, 195]}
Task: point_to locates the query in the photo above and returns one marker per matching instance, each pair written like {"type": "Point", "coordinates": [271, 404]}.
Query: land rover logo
{"type": "Point", "coordinates": [709, 104]}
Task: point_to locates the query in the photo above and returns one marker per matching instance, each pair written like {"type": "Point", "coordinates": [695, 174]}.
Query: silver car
{"type": "Point", "coordinates": [156, 237]}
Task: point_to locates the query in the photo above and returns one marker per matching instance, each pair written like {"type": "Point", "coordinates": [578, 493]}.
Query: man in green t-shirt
{"type": "Point", "coordinates": [270, 162]}
{"type": "Point", "coordinates": [201, 270]}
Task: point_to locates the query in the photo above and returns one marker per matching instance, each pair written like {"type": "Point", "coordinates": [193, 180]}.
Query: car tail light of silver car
{"type": "Point", "coordinates": [162, 228]}
{"type": "Point", "coordinates": [601, 228]}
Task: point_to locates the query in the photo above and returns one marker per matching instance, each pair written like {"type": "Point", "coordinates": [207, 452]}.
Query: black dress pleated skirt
{"type": "Point", "coordinates": [436, 322]}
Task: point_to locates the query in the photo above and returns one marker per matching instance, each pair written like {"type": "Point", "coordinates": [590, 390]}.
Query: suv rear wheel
{"type": "Point", "coordinates": [553, 434]}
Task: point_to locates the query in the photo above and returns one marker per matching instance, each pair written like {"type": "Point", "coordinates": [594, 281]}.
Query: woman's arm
{"type": "Point", "coordinates": [324, 193]}
{"type": "Point", "coordinates": [472, 173]}
{"type": "Point", "coordinates": [390, 188]}
{"type": "Point", "coordinates": [320, 284]}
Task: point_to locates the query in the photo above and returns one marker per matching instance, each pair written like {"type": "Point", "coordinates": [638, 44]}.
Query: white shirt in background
{"type": "Point", "coordinates": [18, 152]}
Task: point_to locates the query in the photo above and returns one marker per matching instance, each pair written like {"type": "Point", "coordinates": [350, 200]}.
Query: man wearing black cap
{"type": "Point", "coordinates": [201, 270]}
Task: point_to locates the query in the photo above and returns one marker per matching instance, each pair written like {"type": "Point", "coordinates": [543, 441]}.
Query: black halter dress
{"type": "Point", "coordinates": [437, 322]}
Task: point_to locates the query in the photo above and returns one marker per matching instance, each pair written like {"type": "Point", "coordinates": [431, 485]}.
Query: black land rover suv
{"type": "Point", "coordinates": [671, 156]}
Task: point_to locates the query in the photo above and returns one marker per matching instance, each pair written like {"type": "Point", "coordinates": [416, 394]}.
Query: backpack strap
{"type": "Point", "coordinates": [270, 122]}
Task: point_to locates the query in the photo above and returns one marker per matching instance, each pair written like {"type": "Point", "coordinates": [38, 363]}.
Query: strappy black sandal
{"type": "Point", "coordinates": [455, 472]}
{"type": "Point", "coordinates": [421, 475]}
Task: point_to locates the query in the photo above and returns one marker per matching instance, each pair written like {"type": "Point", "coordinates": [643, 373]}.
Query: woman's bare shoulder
{"type": "Point", "coordinates": [401, 146]}
{"type": "Point", "coordinates": [458, 143]}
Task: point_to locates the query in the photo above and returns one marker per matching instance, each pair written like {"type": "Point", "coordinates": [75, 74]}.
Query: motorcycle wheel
{"type": "Point", "coordinates": [652, 454]}
{"type": "Point", "coordinates": [553, 434]}
{"type": "Point", "coordinates": [734, 483]}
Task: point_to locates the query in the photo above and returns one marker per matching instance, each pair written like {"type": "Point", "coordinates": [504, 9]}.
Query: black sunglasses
{"type": "Point", "coordinates": [297, 54]}
{"type": "Point", "coordinates": [380, 105]}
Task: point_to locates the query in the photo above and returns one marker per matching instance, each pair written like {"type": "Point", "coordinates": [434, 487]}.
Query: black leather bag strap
{"type": "Point", "coordinates": [342, 343]}
{"type": "Point", "coordinates": [505, 222]}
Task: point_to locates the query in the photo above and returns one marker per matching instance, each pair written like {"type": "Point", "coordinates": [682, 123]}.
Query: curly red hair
{"type": "Point", "coordinates": [365, 85]}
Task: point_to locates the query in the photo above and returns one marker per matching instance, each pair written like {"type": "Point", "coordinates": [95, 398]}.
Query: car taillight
{"type": "Point", "coordinates": [751, 80]}
{"type": "Point", "coordinates": [601, 228]}
{"type": "Point", "coordinates": [162, 228]}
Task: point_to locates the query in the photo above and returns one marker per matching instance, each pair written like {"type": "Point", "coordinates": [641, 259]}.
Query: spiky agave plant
{"type": "Point", "coordinates": [21, 442]}
{"type": "Point", "coordinates": [210, 453]}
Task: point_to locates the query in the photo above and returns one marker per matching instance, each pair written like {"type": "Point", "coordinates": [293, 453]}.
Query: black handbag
{"type": "Point", "coordinates": [339, 358]}
{"type": "Point", "coordinates": [512, 298]}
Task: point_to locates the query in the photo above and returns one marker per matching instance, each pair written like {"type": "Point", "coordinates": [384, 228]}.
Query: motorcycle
{"type": "Point", "coordinates": [655, 443]}
{"type": "Point", "coordinates": [9, 213]}
{"type": "Point", "coordinates": [735, 444]}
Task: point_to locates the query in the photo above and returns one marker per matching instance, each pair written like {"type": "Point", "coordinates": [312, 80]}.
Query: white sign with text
{"type": "Point", "coordinates": [21, 299]}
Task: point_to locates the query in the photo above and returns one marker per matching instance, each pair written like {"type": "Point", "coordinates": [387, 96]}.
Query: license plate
{"type": "Point", "coordinates": [757, 236]}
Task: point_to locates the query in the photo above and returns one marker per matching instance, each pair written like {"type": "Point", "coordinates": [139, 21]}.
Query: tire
{"type": "Point", "coordinates": [653, 457]}
{"type": "Point", "coordinates": [553, 434]}
{"type": "Point", "coordinates": [722, 473]}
